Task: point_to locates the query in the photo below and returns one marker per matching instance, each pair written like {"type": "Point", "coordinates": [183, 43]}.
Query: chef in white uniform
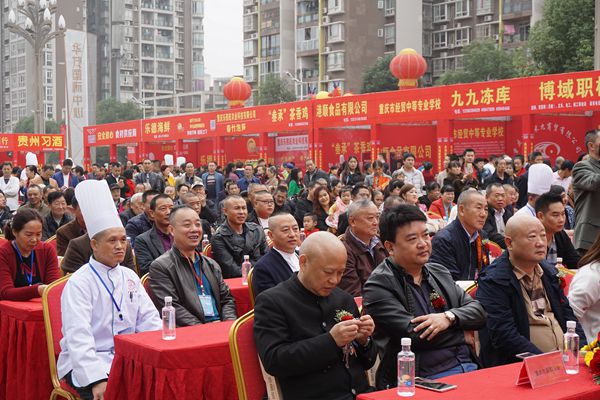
{"type": "Point", "coordinates": [101, 299]}
{"type": "Point", "coordinates": [539, 179]}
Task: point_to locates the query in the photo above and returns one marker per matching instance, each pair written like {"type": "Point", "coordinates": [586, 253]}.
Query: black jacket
{"type": "Point", "coordinates": [303, 207]}
{"type": "Point", "coordinates": [390, 302]}
{"type": "Point", "coordinates": [507, 331]}
{"type": "Point", "coordinates": [148, 247]}
{"type": "Point", "coordinates": [229, 248]}
{"type": "Point", "coordinates": [171, 276]}
{"type": "Point", "coordinates": [137, 225]}
{"type": "Point", "coordinates": [494, 178]}
{"type": "Point", "coordinates": [451, 248]}
{"type": "Point", "coordinates": [491, 229]}
{"type": "Point", "coordinates": [566, 250]}
{"type": "Point", "coordinates": [49, 227]}
{"type": "Point", "coordinates": [317, 174]}
{"type": "Point", "coordinates": [291, 331]}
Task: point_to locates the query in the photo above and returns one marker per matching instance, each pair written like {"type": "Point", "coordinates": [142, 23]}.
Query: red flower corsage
{"type": "Point", "coordinates": [437, 301]}
{"type": "Point", "coordinates": [343, 315]}
{"type": "Point", "coordinates": [561, 279]}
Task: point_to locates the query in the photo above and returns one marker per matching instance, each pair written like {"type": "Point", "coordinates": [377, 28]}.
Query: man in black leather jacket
{"type": "Point", "coordinates": [409, 297]}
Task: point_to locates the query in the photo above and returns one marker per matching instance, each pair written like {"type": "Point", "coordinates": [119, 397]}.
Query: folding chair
{"type": "Point", "coordinates": [250, 286]}
{"type": "Point", "coordinates": [207, 251]}
{"type": "Point", "coordinates": [251, 379]}
{"type": "Point", "coordinates": [53, 327]}
{"type": "Point", "coordinates": [52, 240]}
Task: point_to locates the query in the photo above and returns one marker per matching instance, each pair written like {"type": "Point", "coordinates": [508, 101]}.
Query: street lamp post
{"type": "Point", "coordinates": [38, 32]}
{"type": "Point", "coordinates": [296, 80]}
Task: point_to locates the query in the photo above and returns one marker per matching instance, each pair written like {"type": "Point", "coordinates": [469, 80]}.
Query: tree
{"type": "Point", "coordinates": [111, 110]}
{"type": "Point", "coordinates": [274, 90]}
{"type": "Point", "coordinates": [563, 40]}
{"type": "Point", "coordinates": [482, 61]}
{"type": "Point", "coordinates": [25, 125]}
{"type": "Point", "coordinates": [378, 78]}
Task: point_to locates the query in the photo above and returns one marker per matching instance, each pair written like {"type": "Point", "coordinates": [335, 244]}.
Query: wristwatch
{"type": "Point", "coordinates": [451, 317]}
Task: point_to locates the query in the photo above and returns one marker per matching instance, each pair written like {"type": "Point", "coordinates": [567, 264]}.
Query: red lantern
{"type": "Point", "coordinates": [237, 91]}
{"type": "Point", "coordinates": [408, 66]}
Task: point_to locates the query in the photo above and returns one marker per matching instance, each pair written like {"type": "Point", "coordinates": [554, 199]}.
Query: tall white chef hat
{"type": "Point", "coordinates": [97, 206]}
{"type": "Point", "coordinates": [31, 159]}
{"type": "Point", "coordinates": [539, 180]}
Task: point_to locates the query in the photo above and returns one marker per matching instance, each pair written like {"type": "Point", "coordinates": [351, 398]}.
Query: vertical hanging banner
{"type": "Point", "coordinates": [77, 91]}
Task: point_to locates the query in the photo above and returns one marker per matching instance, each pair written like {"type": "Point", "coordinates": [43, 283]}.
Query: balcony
{"type": "Point", "coordinates": [307, 45]}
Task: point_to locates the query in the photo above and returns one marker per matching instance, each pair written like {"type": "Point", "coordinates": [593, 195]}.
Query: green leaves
{"type": "Point", "coordinates": [112, 110]}
{"type": "Point", "coordinates": [274, 90]}
{"type": "Point", "coordinates": [378, 78]}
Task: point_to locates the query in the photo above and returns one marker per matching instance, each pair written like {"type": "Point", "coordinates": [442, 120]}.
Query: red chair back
{"type": "Point", "coordinates": [246, 365]}
{"type": "Point", "coordinates": [472, 291]}
{"type": "Point", "coordinates": [494, 249]}
{"type": "Point", "coordinates": [568, 278]}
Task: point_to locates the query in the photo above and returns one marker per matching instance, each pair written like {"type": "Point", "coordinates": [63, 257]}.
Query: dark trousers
{"type": "Point", "coordinates": [84, 392]}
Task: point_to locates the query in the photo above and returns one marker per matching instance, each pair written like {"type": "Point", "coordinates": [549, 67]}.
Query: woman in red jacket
{"type": "Point", "coordinates": [27, 264]}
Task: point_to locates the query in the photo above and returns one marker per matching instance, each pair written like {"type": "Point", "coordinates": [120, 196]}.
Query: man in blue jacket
{"type": "Point", "coordinates": [65, 178]}
{"type": "Point", "coordinates": [526, 306]}
{"type": "Point", "coordinates": [280, 263]}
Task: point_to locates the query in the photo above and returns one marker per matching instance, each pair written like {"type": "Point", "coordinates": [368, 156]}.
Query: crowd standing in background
{"type": "Point", "coordinates": [404, 233]}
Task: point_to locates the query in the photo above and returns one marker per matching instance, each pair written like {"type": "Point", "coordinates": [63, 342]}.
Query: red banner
{"type": "Point", "coordinates": [32, 142]}
{"type": "Point", "coordinates": [565, 92]}
{"type": "Point", "coordinates": [191, 126]}
{"type": "Point", "coordinates": [417, 139]}
{"type": "Point", "coordinates": [126, 132]}
{"type": "Point", "coordinates": [487, 137]}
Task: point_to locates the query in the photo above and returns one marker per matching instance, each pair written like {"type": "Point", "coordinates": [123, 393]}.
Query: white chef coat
{"type": "Point", "coordinates": [90, 319]}
{"type": "Point", "coordinates": [11, 191]}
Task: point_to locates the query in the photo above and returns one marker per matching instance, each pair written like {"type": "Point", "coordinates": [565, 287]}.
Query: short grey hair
{"type": "Point", "coordinates": [136, 198]}
{"type": "Point", "coordinates": [466, 196]}
{"type": "Point", "coordinates": [358, 205]}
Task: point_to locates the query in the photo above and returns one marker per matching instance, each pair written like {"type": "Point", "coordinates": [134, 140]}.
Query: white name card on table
{"type": "Point", "coordinates": [543, 370]}
{"type": "Point", "coordinates": [464, 285]}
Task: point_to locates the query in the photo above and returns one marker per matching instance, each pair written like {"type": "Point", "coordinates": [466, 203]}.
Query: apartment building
{"type": "Point", "coordinates": [312, 44]}
{"type": "Point", "coordinates": [457, 23]}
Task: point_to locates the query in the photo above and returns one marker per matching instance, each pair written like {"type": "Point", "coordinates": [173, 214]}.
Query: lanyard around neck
{"type": "Point", "coordinates": [198, 278]}
{"type": "Point", "coordinates": [29, 276]}
{"type": "Point", "coordinates": [110, 293]}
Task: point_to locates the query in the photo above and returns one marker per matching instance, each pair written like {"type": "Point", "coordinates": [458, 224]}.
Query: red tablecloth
{"type": "Point", "coordinates": [24, 370]}
{"type": "Point", "coordinates": [241, 294]}
{"type": "Point", "coordinates": [499, 384]}
{"type": "Point", "coordinates": [196, 365]}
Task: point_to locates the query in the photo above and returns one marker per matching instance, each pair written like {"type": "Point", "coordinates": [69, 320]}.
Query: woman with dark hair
{"type": "Point", "coordinates": [295, 185]}
{"type": "Point", "coordinates": [230, 172]}
{"type": "Point", "coordinates": [27, 264]}
{"type": "Point", "coordinates": [334, 172]}
{"type": "Point", "coordinates": [322, 202]}
{"type": "Point", "coordinates": [584, 292]}
{"type": "Point", "coordinates": [351, 174]}
{"type": "Point", "coordinates": [272, 179]}
{"type": "Point", "coordinates": [393, 188]}
{"type": "Point", "coordinates": [129, 184]}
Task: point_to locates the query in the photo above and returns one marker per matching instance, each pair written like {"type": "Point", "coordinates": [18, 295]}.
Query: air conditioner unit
{"type": "Point", "coordinates": [458, 25]}
{"type": "Point", "coordinates": [325, 10]}
{"type": "Point", "coordinates": [326, 77]}
{"type": "Point", "coordinates": [253, 35]}
{"type": "Point", "coordinates": [326, 19]}
{"type": "Point", "coordinates": [496, 37]}
{"type": "Point", "coordinates": [444, 27]}
{"type": "Point", "coordinates": [444, 54]}
{"type": "Point", "coordinates": [487, 18]}
{"type": "Point", "coordinates": [380, 4]}
{"type": "Point", "coordinates": [327, 49]}
{"type": "Point", "coordinates": [379, 32]}
{"type": "Point", "coordinates": [451, 45]}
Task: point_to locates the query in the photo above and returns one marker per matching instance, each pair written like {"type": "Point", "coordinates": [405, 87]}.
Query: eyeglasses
{"type": "Point", "coordinates": [269, 202]}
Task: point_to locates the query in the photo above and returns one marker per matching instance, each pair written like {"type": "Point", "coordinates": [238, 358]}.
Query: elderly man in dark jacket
{"type": "Point", "coordinates": [498, 214]}
{"type": "Point", "coordinates": [143, 222]}
{"type": "Point", "coordinates": [236, 238]}
{"type": "Point", "coordinates": [193, 281]}
{"type": "Point", "coordinates": [527, 309]}
{"type": "Point", "coordinates": [410, 297]}
{"type": "Point", "coordinates": [460, 246]}
{"type": "Point", "coordinates": [365, 250]}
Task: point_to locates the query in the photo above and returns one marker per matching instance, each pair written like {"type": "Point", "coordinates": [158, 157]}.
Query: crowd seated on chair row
{"type": "Point", "coordinates": [390, 251]}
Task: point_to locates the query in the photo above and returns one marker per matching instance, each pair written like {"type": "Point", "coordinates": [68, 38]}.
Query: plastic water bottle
{"type": "Point", "coordinates": [205, 241]}
{"type": "Point", "coordinates": [302, 235]}
{"type": "Point", "coordinates": [168, 319]}
{"type": "Point", "coordinates": [571, 349]}
{"type": "Point", "coordinates": [406, 370]}
{"type": "Point", "coordinates": [559, 263]}
{"type": "Point", "coordinates": [245, 269]}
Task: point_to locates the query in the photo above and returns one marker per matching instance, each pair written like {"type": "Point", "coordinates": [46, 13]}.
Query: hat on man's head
{"type": "Point", "coordinates": [197, 184]}
{"type": "Point", "coordinates": [114, 186]}
{"type": "Point", "coordinates": [539, 180]}
{"type": "Point", "coordinates": [289, 165]}
{"type": "Point", "coordinates": [31, 159]}
{"type": "Point", "coordinates": [97, 206]}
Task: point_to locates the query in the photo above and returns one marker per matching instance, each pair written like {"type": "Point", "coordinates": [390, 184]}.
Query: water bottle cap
{"type": "Point", "coordinates": [168, 299]}
{"type": "Point", "coordinates": [559, 260]}
{"type": "Point", "coordinates": [205, 236]}
{"type": "Point", "coordinates": [246, 258]}
{"type": "Point", "coordinates": [405, 341]}
{"type": "Point", "coordinates": [571, 324]}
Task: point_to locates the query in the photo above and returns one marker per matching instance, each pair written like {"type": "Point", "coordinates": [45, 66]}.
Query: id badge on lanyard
{"type": "Point", "coordinates": [207, 305]}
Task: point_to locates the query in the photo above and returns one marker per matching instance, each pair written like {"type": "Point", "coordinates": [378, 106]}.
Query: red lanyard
{"type": "Point", "coordinates": [198, 278]}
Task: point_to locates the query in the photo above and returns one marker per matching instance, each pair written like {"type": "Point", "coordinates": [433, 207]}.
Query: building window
{"type": "Point", "coordinates": [440, 40]}
{"type": "Point", "coordinates": [484, 7]}
{"type": "Point", "coordinates": [439, 66]}
{"type": "Point", "coordinates": [249, 48]}
{"type": "Point", "coordinates": [270, 45]}
{"type": "Point", "coordinates": [390, 7]}
{"type": "Point", "coordinates": [335, 61]}
{"type": "Point", "coordinates": [198, 7]}
{"type": "Point", "coordinates": [389, 34]}
{"type": "Point", "coordinates": [332, 84]}
{"type": "Point", "coordinates": [335, 6]}
{"type": "Point", "coordinates": [459, 62]}
{"type": "Point", "coordinates": [335, 33]}
{"type": "Point", "coordinates": [524, 32]}
{"type": "Point", "coordinates": [462, 36]}
{"type": "Point", "coordinates": [462, 8]}
{"type": "Point", "coordinates": [483, 31]}
{"type": "Point", "coordinates": [307, 38]}
{"type": "Point", "coordinates": [440, 12]}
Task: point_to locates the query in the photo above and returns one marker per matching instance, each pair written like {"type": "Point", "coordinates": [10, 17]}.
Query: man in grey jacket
{"type": "Point", "coordinates": [409, 297]}
{"type": "Point", "coordinates": [586, 187]}
{"type": "Point", "coordinates": [195, 282]}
